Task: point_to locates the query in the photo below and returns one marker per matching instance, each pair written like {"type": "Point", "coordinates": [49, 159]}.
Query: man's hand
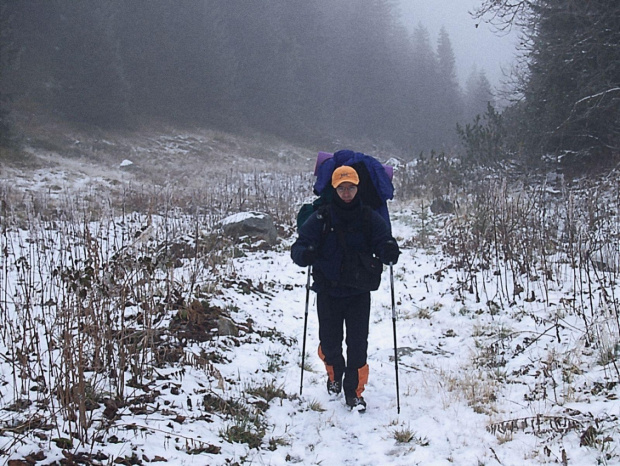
{"type": "Point", "coordinates": [390, 252]}
{"type": "Point", "coordinates": [309, 255]}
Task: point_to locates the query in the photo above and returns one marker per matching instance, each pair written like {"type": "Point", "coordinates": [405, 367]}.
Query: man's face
{"type": "Point", "coordinates": [346, 191]}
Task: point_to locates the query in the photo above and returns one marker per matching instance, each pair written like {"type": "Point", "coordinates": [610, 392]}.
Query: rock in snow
{"type": "Point", "coordinates": [253, 224]}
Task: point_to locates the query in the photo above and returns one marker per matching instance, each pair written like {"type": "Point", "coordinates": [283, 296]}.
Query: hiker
{"type": "Point", "coordinates": [338, 240]}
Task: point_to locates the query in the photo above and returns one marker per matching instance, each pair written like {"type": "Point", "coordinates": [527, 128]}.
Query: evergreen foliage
{"type": "Point", "coordinates": [7, 59]}
{"type": "Point", "coordinates": [319, 70]}
{"type": "Point", "coordinates": [478, 94]}
{"type": "Point", "coordinates": [484, 138]}
{"type": "Point", "coordinates": [574, 86]}
{"type": "Point", "coordinates": [571, 86]}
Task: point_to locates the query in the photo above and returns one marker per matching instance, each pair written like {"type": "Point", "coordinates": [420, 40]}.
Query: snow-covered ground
{"type": "Point", "coordinates": [452, 410]}
{"type": "Point", "coordinates": [457, 402]}
{"type": "Point", "coordinates": [480, 383]}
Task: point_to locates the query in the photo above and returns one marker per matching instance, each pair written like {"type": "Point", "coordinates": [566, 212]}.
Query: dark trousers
{"type": "Point", "coordinates": [335, 314]}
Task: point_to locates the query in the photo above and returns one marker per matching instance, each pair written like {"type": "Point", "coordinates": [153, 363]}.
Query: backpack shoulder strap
{"type": "Point", "coordinates": [367, 224]}
{"type": "Point", "coordinates": [323, 214]}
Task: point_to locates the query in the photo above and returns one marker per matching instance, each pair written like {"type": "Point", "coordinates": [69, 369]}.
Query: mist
{"type": "Point", "coordinates": [478, 46]}
{"type": "Point", "coordinates": [323, 72]}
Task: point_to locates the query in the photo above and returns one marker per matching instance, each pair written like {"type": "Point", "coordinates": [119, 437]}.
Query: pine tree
{"type": "Point", "coordinates": [313, 69]}
{"type": "Point", "coordinates": [7, 59]}
{"type": "Point", "coordinates": [89, 75]}
{"type": "Point", "coordinates": [424, 94]}
{"type": "Point", "coordinates": [571, 89]}
{"type": "Point", "coordinates": [478, 94]}
{"type": "Point", "coordinates": [450, 102]}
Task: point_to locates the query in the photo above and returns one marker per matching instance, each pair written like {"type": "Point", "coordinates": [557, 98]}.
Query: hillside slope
{"type": "Point", "coordinates": [134, 332]}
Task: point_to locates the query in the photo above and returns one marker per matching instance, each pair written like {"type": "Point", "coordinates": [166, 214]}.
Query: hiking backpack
{"type": "Point", "coordinates": [375, 186]}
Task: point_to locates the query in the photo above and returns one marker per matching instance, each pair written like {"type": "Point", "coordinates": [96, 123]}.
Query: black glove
{"type": "Point", "coordinates": [309, 255]}
{"type": "Point", "coordinates": [390, 252]}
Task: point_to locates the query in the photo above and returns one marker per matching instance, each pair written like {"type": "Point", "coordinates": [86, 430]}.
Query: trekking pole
{"type": "Point", "coordinates": [303, 347]}
{"type": "Point", "coordinates": [394, 327]}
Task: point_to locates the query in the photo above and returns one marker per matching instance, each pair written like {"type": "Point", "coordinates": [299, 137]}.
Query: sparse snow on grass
{"type": "Point", "coordinates": [134, 338]}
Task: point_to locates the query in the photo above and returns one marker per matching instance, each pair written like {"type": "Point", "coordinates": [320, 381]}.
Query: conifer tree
{"type": "Point", "coordinates": [478, 94]}
{"type": "Point", "coordinates": [450, 104]}
{"type": "Point", "coordinates": [571, 88]}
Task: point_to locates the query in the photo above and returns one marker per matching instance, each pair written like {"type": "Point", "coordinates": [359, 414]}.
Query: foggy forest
{"type": "Point", "coordinates": [314, 71]}
{"type": "Point", "coordinates": [307, 70]}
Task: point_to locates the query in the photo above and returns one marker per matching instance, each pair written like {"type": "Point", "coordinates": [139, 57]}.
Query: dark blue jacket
{"type": "Point", "coordinates": [326, 269]}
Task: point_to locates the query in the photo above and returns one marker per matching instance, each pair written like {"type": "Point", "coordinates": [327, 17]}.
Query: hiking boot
{"type": "Point", "coordinates": [356, 403]}
{"type": "Point", "coordinates": [334, 388]}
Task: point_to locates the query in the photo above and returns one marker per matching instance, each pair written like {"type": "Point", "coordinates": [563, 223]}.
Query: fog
{"type": "Point", "coordinates": [476, 44]}
{"type": "Point", "coordinates": [314, 70]}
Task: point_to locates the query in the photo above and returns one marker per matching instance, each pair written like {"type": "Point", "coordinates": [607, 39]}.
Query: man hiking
{"type": "Point", "coordinates": [342, 242]}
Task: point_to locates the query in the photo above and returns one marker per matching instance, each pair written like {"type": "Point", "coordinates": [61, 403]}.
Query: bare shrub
{"type": "Point", "coordinates": [92, 281]}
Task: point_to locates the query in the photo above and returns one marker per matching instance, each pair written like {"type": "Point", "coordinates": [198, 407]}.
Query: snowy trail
{"type": "Point", "coordinates": [453, 381]}
{"type": "Point", "coordinates": [479, 385]}
{"type": "Point", "coordinates": [445, 431]}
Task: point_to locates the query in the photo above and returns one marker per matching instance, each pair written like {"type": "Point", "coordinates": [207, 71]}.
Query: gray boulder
{"type": "Point", "coordinates": [442, 206]}
{"type": "Point", "coordinates": [226, 327]}
{"type": "Point", "coordinates": [253, 224]}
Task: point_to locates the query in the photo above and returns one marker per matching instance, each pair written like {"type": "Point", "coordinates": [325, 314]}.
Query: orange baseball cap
{"type": "Point", "coordinates": [344, 174]}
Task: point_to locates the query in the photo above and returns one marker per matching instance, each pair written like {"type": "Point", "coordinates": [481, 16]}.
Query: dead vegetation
{"type": "Point", "coordinates": [106, 288]}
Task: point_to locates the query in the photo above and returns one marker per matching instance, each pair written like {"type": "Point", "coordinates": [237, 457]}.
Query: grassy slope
{"type": "Point", "coordinates": [548, 356]}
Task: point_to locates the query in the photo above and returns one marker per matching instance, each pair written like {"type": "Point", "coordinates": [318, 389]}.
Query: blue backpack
{"type": "Point", "coordinates": [375, 187]}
